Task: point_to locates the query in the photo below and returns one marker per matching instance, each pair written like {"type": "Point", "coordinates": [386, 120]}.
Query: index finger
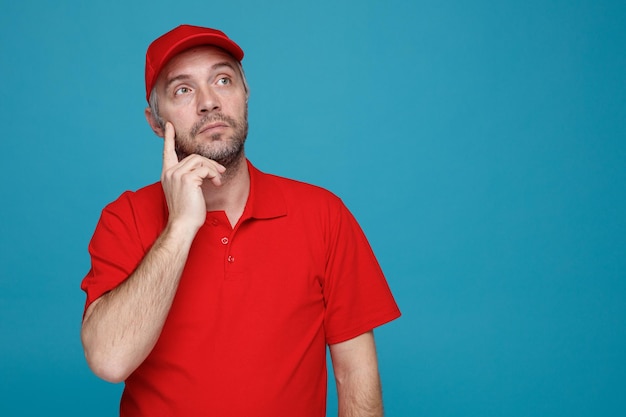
{"type": "Point", "coordinates": [170, 158]}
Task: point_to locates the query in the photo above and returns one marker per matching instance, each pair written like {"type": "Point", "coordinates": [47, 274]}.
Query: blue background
{"type": "Point", "coordinates": [480, 144]}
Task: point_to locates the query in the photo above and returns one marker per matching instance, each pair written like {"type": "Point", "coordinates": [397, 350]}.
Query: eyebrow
{"type": "Point", "coordinates": [183, 77]}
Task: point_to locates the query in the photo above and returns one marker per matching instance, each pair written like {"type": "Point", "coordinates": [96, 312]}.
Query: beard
{"type": "Point", "coordinates": [226, 151]}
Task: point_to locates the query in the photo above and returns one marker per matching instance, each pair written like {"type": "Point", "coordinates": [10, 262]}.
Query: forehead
{"type": "Point", "coordinates": [194, 59]}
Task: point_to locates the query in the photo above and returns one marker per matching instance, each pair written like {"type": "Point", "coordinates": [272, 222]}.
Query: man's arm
{"type": "Point", "coordinates": [121, 327]}
{"type": "Point", "coordinates": [356, 374]}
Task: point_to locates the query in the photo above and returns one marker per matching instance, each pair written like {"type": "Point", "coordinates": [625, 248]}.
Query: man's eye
{"type": "Point", "coordinates": [224, 81]}
{"type": "Point", "coordinates": [181, 90]}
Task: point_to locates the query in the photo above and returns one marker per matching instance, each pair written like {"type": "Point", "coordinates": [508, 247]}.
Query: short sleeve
{"type": "Point", "coordinates": [115, 249]}
{"type": "Point", "coordinates": [356, 293]}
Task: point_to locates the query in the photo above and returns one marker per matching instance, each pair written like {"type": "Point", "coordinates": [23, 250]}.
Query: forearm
{"type": "Point", "coordinates": [359, 395]}
{"type": "Point", "coordinates": [121, 327]}
{"type": "Point", "coordinates": [356, 374]}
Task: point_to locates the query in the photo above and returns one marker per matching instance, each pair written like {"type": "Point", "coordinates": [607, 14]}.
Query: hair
{"type": "Point", "coordinates": [154, 100]}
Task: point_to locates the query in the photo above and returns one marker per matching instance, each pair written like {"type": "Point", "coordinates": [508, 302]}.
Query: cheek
{"type": "Point", "coordinates": [178, 108]}
{"type": "Point", "coordinates": [181, 118]}
{"type": "Point", "coordinates": [240, 107]}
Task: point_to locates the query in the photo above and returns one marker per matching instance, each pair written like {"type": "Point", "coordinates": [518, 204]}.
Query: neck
{"type": "Point", "coordinates": [232, 195]}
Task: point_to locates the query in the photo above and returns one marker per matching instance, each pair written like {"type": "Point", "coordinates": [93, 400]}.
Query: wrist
{"type": "Point", "coordinates": [181, 230]}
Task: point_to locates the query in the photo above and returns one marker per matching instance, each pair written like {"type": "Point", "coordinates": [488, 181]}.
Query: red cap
{"type": "Point", "coordinates": [179, 39]}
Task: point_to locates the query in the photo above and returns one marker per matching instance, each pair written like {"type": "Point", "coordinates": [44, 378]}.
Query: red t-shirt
{"type": "Point", "coordinates": [256, 305]}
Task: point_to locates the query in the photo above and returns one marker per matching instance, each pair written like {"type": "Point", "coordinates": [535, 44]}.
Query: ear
{"type": "Point", "coordinates": [154, 124]}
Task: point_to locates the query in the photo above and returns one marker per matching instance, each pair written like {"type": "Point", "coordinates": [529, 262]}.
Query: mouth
{"type": "Point", "coordinates": [212, 127]}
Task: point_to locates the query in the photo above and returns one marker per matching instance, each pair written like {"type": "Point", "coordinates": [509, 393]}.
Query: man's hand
{"type": "Point", "coordinates": [182, 183]}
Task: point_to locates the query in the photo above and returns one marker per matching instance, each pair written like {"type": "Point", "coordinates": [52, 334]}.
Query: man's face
{"type": "Point", "coordinates": [201, 92]}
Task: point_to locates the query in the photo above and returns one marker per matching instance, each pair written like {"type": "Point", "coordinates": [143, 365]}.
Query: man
{"type": "Point", "coordinates": [215, 291]}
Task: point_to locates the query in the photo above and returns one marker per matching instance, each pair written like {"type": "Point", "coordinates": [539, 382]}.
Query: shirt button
{"type": "Point", "coordinates": [225, 241]}
{"type": "Point", "coordinates": [231, 259]}
{"type": "Point", "coordinates": [215, 222]}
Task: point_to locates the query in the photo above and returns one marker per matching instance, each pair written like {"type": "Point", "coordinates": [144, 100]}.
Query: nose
{"type": "Point", "coordinates": [207, 100]}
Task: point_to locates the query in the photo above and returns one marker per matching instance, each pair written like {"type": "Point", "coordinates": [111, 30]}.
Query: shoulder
{"type": "Point", "coordinates": [146, 196]}
{"type": "Point", "coordinates": [135, 217]}
{"type": "Point", "coordinates": [301, 193]}
{"type": "Point", "coordinates": [146, 202]}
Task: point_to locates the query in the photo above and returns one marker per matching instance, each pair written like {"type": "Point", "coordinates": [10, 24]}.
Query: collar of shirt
{"type": "Point", "coordinates": [266, 199]}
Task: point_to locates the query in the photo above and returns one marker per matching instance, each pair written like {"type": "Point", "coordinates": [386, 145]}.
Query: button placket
{"type": "Point", "coordinates": [230, 259]}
